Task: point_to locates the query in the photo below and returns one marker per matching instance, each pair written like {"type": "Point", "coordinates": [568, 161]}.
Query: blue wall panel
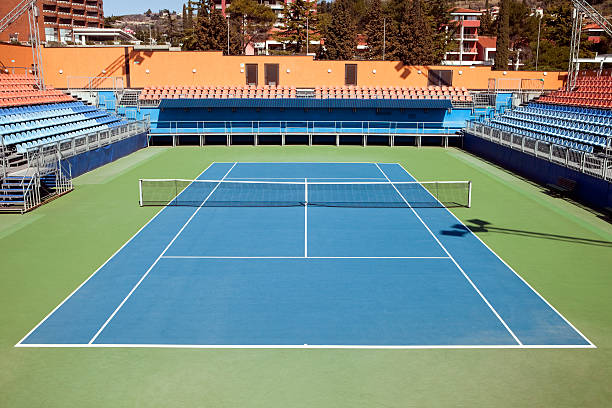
{"type": "Point", "coordinates": [274, 114]}
{"type": "Point", "coordinates": [592, 191]}
{"type": "Point", "coordinates": [87, 161]}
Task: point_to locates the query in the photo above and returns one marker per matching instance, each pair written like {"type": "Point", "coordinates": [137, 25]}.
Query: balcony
{"type": "Point", "coordinates": [468, 37]}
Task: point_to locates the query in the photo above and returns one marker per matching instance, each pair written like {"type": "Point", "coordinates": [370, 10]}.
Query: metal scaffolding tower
{"type": "Point", "coordinates": [28, 6]}
{"type": "Point", "coordinates": [582, 9]}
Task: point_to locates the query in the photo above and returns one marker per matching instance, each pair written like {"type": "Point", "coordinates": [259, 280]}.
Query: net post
{"type": "Point", "coordinates": [470, 194]}
{"type": "Point", "coordinates": [140, 192]}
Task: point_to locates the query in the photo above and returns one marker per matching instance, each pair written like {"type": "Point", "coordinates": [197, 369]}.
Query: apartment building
{"type": "Point", "coordinates": [57, 19]}
{"type": "Point", "coordinates": [468, 50]}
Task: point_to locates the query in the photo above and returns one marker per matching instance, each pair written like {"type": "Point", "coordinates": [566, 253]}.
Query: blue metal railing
{"type": "Point", "coordinates": [382, 128]}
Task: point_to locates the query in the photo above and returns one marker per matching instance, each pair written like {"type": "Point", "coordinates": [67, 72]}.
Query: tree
{"type": "Point", "coordinates": [297, 16]}
{"type": "Point", "coordinates": [439, 15]}
{"type": "Point", "coordinates": [411, 38]}
{"type": "Point", "coordinates": [217, 29]}
{"type": "Point", "coordinates": [374, 30]}
{"type": "Point", "coordinates": [502, 54]}
{"type": "Point", "coordinates": [340, 36]}
{"type": "Point", "coordinates": [487, 25]}
{"type": "Point", "coordinates": [253, 19]}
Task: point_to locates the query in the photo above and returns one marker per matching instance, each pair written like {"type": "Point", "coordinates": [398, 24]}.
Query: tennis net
{"type": "Point", "coordinates": [230, 193]}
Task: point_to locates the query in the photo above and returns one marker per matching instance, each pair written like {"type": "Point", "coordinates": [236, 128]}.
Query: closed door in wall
{"type": "Point", "coordinates": [350, 74]}
{"type": "Point", "coordinates": [271, 74]}
{"type": "Point", "coordinates": [251, 74]}
{"type": "Point", "coordinates": [440, 77]}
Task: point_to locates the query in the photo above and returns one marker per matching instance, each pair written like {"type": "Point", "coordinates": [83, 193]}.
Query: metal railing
{"type": "Point", "coordinates": [97, 83]}
{"type": "Point", "coordinates": [595, 165]}
{"type": "Point", "coordinates": [80, 144]}
{"type": "Point", "coordinates": [374, 128]}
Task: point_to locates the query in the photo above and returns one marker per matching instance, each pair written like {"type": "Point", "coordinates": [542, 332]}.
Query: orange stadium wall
{"type": "Point", "coordinates": [139, 69]}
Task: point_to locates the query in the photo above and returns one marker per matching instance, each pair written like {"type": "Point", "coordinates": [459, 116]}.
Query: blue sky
{"type": "Point", "coordinates": [119, 7]}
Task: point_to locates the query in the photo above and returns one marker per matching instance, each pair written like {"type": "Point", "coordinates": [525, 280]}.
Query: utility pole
{"type": "Point", "coordinates": [228, 34]}
{"type": "Point", "coordinates": [539, 32]}
{"type": "Point", "coordinates": [307, 36]}
{"type": "Point", "coordinates": [384, 36]}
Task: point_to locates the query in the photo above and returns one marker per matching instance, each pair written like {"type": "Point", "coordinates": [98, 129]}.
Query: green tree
{"type": "Point", "coordinates": [340, 35]}
{"type": "Point", "coordinates": [297, 15]}
{"type": "Point", "coordinates": [217, 29]}
{"type": "Point", "coordinates": [253, 19]}
{"type": "Point", "coordinates": [439, 16]}
{"type": "Point", "coordinates": [374, 30]}
{"type": "Point", "coordinates": [502, 54]}
{"type": "Point", "coordinates": [487, 25]}
{"type": "Point", "coordinates": [411, 38]}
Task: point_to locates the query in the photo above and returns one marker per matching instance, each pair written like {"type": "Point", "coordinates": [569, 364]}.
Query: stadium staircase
{"type": "Point", "coordinates": [26, 189]}
{"type": "Point", "coordinates": [129, 98]}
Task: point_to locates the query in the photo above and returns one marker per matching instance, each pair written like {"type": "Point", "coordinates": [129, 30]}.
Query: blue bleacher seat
{"type": "Point", "coordinates": [28, 126]}
{"type": "Point", "coordinates": [579, 128]}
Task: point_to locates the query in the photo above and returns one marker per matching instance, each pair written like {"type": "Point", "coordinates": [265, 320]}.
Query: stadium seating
{"type": "Point", "coordinates": [29, 126]}
{"type": "Point", "coordinates": [579, 128]}
{"type": "Point", "coordinates": [287, 92]}
{"type": "Point", "coordinates": [20, 90]}
{"type": "Point", "coordinates": [30, 117]}
{"type": "Point", "coordinates": [591, 91]}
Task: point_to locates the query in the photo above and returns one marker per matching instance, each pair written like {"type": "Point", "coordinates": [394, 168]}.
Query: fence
{"type": "Point", "coordinates": [94, 83]}
{"type": "Point", "coordinates": [516, 85]}
{"type": "Point", "coordinates": [373, 128]}
{"type": "Point", "coordinates": [80, 144]}
{"type": "Point", "coordinates": [599, 166]}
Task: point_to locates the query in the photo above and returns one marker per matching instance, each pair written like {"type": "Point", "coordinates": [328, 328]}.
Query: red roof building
{"type": "Point", "coordinates": [469, 49]}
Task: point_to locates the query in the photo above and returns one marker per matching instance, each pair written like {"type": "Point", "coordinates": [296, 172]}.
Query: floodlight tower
{"type": "Point", "coordinates": [582, 9]}
{"type": "Point", "coordinates": [28, 6]}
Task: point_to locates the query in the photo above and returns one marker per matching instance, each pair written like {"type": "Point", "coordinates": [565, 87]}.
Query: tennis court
{"type": "Point", "coordinates": [305, 255]}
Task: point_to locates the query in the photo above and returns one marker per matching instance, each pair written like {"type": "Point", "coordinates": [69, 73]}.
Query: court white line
{"type": "Point", "coordinates": [302, 257]}
{"type": "Point", "coordinates": [454, 261]}
{"type": "Point", "coordinates": [101, 266]}
{"type": "Point", "coordinates": [512, 269]}
{"type": "Point", "coordinates": [156, 261]}
{"type": "Point", "coordinates": [305, 218]}
{"type": "Point", "coordinates": [309, 346]}
{"type": "Point", "coordinates": [302, 178]}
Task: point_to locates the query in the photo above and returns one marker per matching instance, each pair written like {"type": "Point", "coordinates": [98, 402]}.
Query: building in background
{"type": "Point", "coordinates": [57, 19]}
{"type": "Point", "coordinates": [271, 44]}
{"type": "Point", "coordinates": [465, 24]}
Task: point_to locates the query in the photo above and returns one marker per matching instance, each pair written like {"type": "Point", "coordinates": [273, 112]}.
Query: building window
{"type": "Point", "coordinates": [440, 77]}
{"type": "Point", "coordinates": [50, 34]}
{"type": "Point", "coordinates": [350, 74]}
{"type": "Point", "coordinates": [65, 35]}
{"type": "Point", "coordinates": [271, 74]}
{"type": "Point", "coordinates": [251, 74]}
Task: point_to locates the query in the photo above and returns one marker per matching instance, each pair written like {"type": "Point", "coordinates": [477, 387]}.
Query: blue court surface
{"type": "Point", "coordinates": [305, 276]}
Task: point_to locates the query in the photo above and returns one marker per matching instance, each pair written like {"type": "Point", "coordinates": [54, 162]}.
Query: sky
{"type": "Point", "coordinates": [120, 7]}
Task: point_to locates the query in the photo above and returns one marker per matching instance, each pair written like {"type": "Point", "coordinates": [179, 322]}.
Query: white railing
{"type": "Point", "coordinates": [595, 165]}
{"type": "Point", "coordinates": [374, 128]}
{"type": "Point", "coordinates": [80, 144]}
